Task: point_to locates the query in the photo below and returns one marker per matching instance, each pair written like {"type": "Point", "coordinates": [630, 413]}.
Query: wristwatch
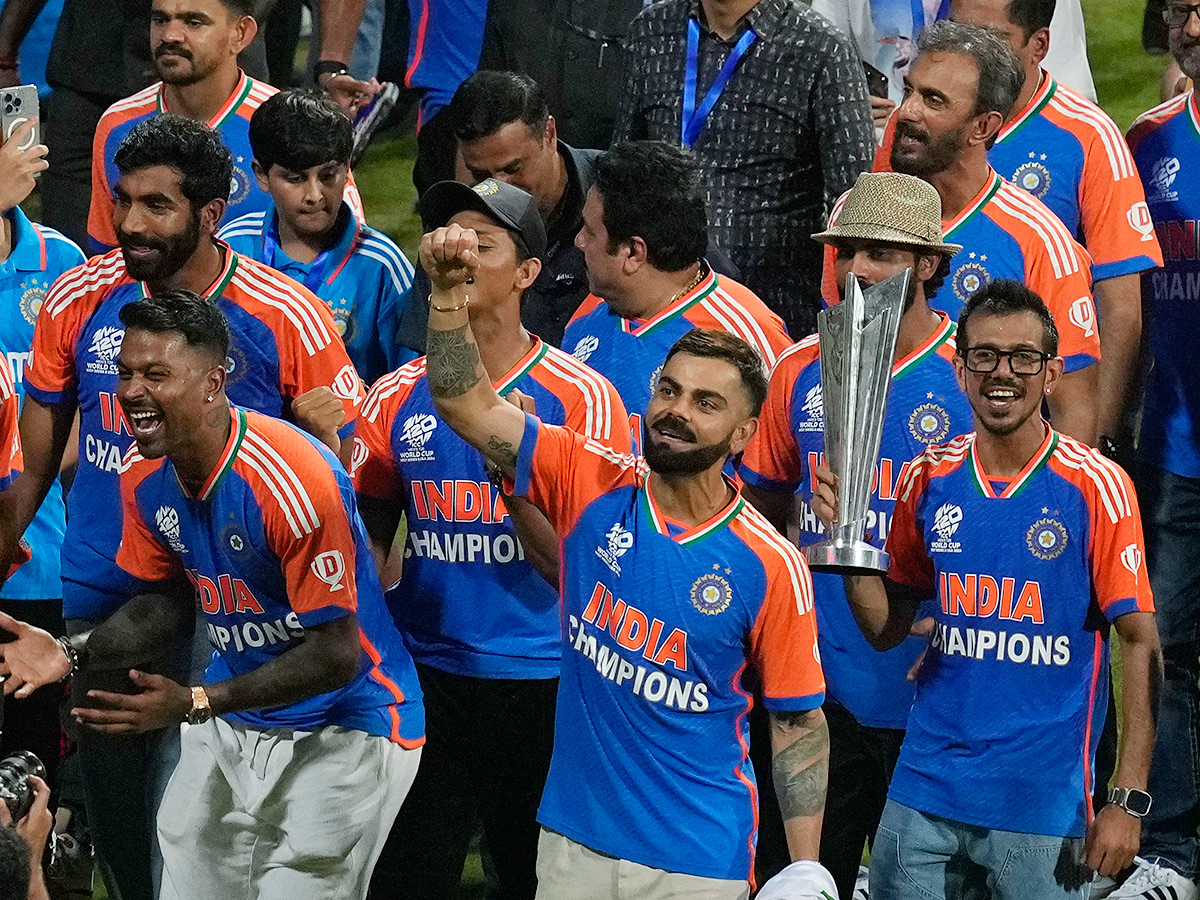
{"type": "Point", "coordinates": [1136, 803]}
{"type": "Point", "coordinates": [200, 712]}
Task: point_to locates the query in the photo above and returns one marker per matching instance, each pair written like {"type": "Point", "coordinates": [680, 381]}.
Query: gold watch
{"type": "Point", "coordinates": [201, 711]}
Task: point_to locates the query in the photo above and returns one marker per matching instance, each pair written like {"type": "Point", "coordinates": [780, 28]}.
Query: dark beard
{"type": "Point", "coordinates": [681, 462]}
{"type": "Point", "coordinates": [937, 155]}
{"type": "Point", "coordinates": [175, 252]}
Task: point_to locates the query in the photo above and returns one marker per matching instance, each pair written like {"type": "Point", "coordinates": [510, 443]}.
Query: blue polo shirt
{"type": "Point", "coordinates": [39, 255]}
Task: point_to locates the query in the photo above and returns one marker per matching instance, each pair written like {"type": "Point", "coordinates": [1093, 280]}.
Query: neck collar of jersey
{"type": "Point", "coordinates": [677, 307]}
{"type": "Point", "coordinates": [682, 534]}
{"type": "Point", "coordinates": [941, 334]}
{"type": "Point", "coordinates": [217, 288]}
{"type": "Point", "coordinates": [979, 202]}
{"type": "Point", "coordinates": [28, 252]}
{"type": "Point", "coordinates": [523, 366]}
{"type": "Point", "coordinates": [984, 482]}
{"type": "Point", "coordinates": [237, 431]}
{"type": "Point", "coordinates": [240, 91]}
{"type": "Point", "coordinates": [348, 231]}
{"type": "Point", "coordinates": [1039, 99]}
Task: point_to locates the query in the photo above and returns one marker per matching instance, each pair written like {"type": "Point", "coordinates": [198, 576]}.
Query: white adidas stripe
{"type": "Point", "coordinates": [1061, 261]}
{"type": "Point", "coordinates": [389, 385]}
{"type": "Point", "coordinates": [284, 483]}
{"type": "Point", "coordinates": [1055, 232]}
{"type": "Point", "coordinates": [750, 330]}
{"type": "Point", "coordinates": [135, 100]}
{"type": "Point", "coordinates": [80, 280]}
{"type": "Point", "coordinates": [1119, 159]}
{"type": "Point", "coordinates": [598, 410]}
{"type": "Point", "coordinates": [794, 563]}
{"type": "Point", "coordinates": [1103, 473]}
{"type": "Point", "coordinates": [401, 280]}
{"type": "Point", "coordinates": [279, 295]}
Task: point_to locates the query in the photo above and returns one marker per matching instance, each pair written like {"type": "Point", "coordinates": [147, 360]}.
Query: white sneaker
{"type": "Point", "coordinates": [861, 884]}
{"type": "Point", "coordinates": [1154, 881]}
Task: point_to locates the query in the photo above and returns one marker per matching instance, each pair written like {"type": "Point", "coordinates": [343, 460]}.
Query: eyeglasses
{"type": "Point", "coordinates": [985, 360]}
{"type": "Point", "coordinates": [1177, 14]}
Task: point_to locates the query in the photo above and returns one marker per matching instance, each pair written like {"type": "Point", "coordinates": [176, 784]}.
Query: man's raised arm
{"type": "Point", "coordinates": [462, 393]}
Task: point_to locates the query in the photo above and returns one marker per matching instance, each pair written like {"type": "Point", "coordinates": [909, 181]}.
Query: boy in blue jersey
{"type": "Point", "coordinates": [306, 732]}
{"type": "Point", "coordinates": [301, 143]}
{"type": "Point", "coordinates": [889, 223]}
{"type": "Point", "coordinates": [1165, 142]}
{"type": "Point", "coordinates": [671, 587]}
{"type": "Point", "coordinates": [1027, 543]}
{"type": "Point", "coordinates": [31, 258]}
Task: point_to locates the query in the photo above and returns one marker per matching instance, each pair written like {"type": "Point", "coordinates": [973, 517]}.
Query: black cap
{"type": "Point", "coordinates": [510, 206]}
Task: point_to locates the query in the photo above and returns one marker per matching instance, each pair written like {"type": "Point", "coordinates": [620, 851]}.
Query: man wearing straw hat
{"type": "Point", "coordinates": [888, 223]}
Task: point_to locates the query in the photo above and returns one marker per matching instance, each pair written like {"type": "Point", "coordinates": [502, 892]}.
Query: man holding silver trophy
{"type": "Point", "coordinates": [1024, 544]}
{"type": "Point", "coordinates": [890, 224]}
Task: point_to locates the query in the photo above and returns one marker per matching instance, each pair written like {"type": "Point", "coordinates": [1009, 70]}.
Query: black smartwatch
{"type": "Point", "coordinates": [1136, 803]}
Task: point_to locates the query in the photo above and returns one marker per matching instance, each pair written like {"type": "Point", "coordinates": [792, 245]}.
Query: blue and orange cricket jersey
{"type": "Point", "coordinates": [11, 460]}
{"type": "Point", "coordinates": [1066, 151]}
{"type": "Point", "coordinates": [651, 745]}
{"type": "Point", "coordinates": [924, 406]}
{"type": "Point", "coordinates": [1007, 233]}
{"type": "Point", "coordinates": [273, 545]}
{"type": "Point", "coordinates": [630, 352]}
{"type": "Point", "coordinates": [1165, 143]}
{"type": "Point", "coordinates": [364, 278]}
{"type": "Point", "coordinates": [39, 255]}
{"type": "Point", "coordinates": [1012, 696]}
{"type": "Point", "coordinates": [284, 343]}
{"type": "Point", "coordinates": [232, 121]}
{"type": "Point", "coordinates": [469, 601]}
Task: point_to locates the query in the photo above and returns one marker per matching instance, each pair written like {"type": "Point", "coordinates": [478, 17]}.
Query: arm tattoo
{"type": "Point", "coordinates": [502, 451]}
{"type": "Point", "coordinates": [801, 769]}
{"type": "Point", "coordinates": [453, 362]}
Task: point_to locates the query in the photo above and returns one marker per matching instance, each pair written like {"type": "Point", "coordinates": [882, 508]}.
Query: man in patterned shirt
{"type": "Point", "coordinates": [774, 103]}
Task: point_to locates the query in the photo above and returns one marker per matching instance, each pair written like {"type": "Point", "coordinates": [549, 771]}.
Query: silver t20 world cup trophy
{"type": "Point", "coordinates": [858, 342]}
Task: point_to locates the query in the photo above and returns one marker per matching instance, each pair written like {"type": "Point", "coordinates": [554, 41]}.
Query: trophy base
{"type": "Point", "coordinates": [847, 557]}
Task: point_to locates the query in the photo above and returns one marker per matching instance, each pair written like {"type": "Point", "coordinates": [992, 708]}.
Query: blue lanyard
{"type": "Point", "coordinates": [693, 118]}
{"type": "Point", "coordinates": [313, 276]}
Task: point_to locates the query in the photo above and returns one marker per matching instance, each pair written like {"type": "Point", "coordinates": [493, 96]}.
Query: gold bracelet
{"type": "Point", "coordinates": [450, 309]}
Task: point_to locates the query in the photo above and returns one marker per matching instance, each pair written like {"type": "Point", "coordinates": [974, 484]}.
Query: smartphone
{"type": "Point", "coordinates": [877, 82]}
{"type": "Point", "coordinates": [18, 105]}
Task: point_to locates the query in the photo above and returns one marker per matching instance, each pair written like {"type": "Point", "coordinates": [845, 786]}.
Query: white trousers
{"type": "Point", "coordinates": [279, 815]}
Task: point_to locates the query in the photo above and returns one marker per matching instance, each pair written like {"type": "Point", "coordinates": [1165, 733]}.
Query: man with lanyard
{"type": "Point", "coordinates": [1068, 153]}
{"type": "Point", "coordinates": [644, 236]}
{"type": "Point", "coordinates": [301, 143]}
{"type": "Point", "coordinates": [889, 223]}
{"type": "Point", "coordinates": [964, 81]}
{"type": "Point", "coordinates": [993, 787]}
{"type": "Point", "coordinates": [1166, 142]}
{"type": "Point", "coordinates": [195, 44]}
{"type": "Point", "coordinates": [482, 624]}
{"type": "Point", "coordinates": [31, 258]}
{"type": "Point", "coordinates": [774, 151]}
{"type": "Point", "coordinates": [671, 586]}
{"type": "Point", "coordinates": [305, 733]}
{"type": "Point", "coordinates": [286, 359]}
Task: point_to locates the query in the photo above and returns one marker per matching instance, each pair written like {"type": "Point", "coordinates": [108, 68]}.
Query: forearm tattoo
{"type": "Point", "coordinates": [502, 451]}
{"type": "Point", "coordinates": [801, 769]}
{"type": "Point", "coordinates": [453, 362]}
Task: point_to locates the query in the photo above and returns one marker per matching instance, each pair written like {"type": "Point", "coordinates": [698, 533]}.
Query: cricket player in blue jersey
{"type": "Point", "coordinates": [301, 143]}
{"type": "Point", "coordinates": [1028, 543]}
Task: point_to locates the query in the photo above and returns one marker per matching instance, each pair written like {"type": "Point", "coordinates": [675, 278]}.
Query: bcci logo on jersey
{"type": "Point", "coordinates": [239, 186]}
{"type": "Point", "coordinates": [586, 347]}
{"type": "Point", "coordinates": [945, 522]}
{"type": "Point", "coordinates": [813, 408]}
{"type": "Point", "coordinates": [1046, 539]}
{"type": "Point", "coordinates": [620, 539]}
{"type": "Point", "coordinates": [1033, 177]}
{"type": "Point", "coordinates": [32, 299]}
{"type": "Point", "coordinates": [106, 344]}
{"type": "Point", "coordinates": [969, 280]}
{"type": "Point", "coordinates": [711, 594]}
{"type": "Point", "coordinates": [418, 429]}
{"type": "Point", "coordinates": [929, 423]}
{"type": "Point", "coordinates": [1162, 176]}
{"type": "Point", "coordinates": [167, 520]}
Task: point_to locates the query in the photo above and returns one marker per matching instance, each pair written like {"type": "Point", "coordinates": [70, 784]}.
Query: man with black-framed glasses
{"type": "Point", "coordinates": [1165, 144]}
{"type": "Point", "coordinates": [1029, 543]}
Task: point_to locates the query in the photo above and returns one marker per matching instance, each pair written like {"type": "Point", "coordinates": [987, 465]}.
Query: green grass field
{"type": "Point", "coordinates": [1127, 81]}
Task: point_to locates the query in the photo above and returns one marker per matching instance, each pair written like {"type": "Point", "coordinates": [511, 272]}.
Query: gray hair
{"type": "Point", "coordinates": [1000, 74]}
